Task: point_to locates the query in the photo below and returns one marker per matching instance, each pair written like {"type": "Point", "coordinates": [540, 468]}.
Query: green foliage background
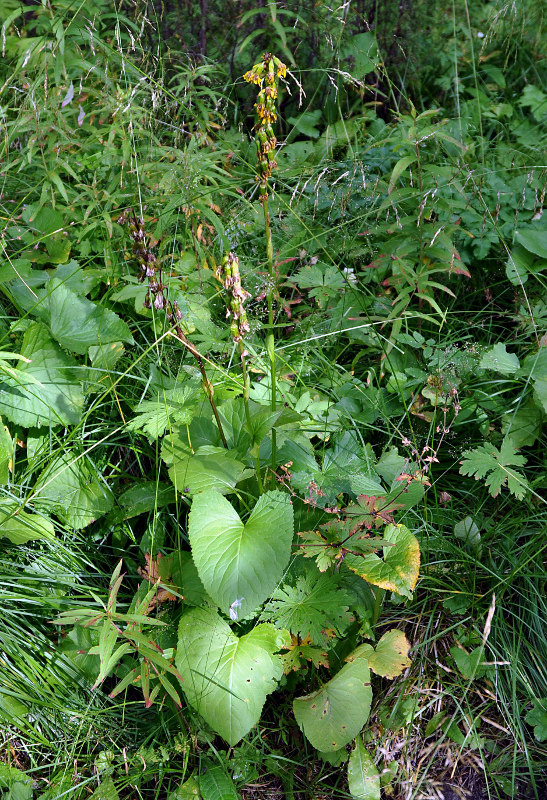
{"type": "Point", "coordinates": [146, 567]}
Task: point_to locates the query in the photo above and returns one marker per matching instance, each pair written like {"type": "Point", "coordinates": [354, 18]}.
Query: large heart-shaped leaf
{"type": "Point", "coordinates": [226, 678]}
{"type": "Point", "coordinates": [334, 715]}
{"type": "Point", "coordinates": [239, 563]}
{"type": "Point", "coordinates": [399, 569]}
{"type": "Point", "coordinates": [44, 390]}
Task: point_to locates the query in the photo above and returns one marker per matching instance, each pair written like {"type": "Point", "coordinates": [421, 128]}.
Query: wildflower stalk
{"type": "Point", "coordinates": [228, 274]}
{"type": "Point", "coordinates": [265, 75]}
{"type": "Point", "coordinates": [150, 269]}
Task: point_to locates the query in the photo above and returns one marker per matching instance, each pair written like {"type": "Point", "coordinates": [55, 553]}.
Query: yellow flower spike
{"type": "Point", "coordinates": [280, 68]}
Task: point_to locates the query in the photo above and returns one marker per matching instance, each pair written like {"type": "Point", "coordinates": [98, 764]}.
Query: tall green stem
{"type": "Point", "coordinates": [265, 75]}
{"type": "Point", "coordinates": [270, 339]}
{"type": "Point", "coordinates": [246, 392]}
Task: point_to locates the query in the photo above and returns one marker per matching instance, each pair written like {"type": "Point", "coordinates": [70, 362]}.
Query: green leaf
{"type": "Point", "coordinates": [537, 717]}
{"type": "Point", "coordinates": [17, 784]}
{"type": "Point", "coordinates": [486, 461]}
{"type": "Point", "coordinates": [208, 466]}
{"type": "Point", "coordinates": [75, 321]}
{"type": "Point", "coordinates": [469, 664]}
{"type": "Point", "coordinates": [106, 791]}
{"type": "Point", "coordinates": [399, 569]}
{"type": "Point", "coordinates": [535, 367]}
{"type": "Point", "coordinates": [155, 416]}
{"type": "Point", "coordinates": [12, 709]}
{"type": "Point", "coordinates": [524, 425]}
{"type": "Point", "coordinates": [69, 488]}
{"type": "Point", "coordinates": [498, 359]}
{"type": "Point", "coordinates": [184, 576]}
{"type": "Point", "coordinates": [313, 605]}
{"type": "Point", "coordinates": [19, 527]}
{"type": "Point", "coordinates": [389, 658]}
{"type": "Point", "coordinates": [216, 784]}
{"type": "Point", "coordinates": [305, 123]}
{"type": "Point", "coordinates": [534, 241]}
{"type": "Point", "coordinates": [226, 678]}
{"type": "Point", "coordinates": [60, 786]}
{"type": "Point", "coordinates": [142, 497]}
{"type": "Point", "coordinates": [362, 53]}
{"type": "Point", "coordinates": [519, 264]}
{"type": "Point", "coordinates": [44, 219]}
{"type": "Point", "coordinates": [540, 392]}
{"type": "Point", "coordinates": [6, 453]}
{"type": "Point", "coordinates": [44, 391]}
{"type": "Point", "coordinates": [333, 716]}
{"type": "Point", "coordinates": [390, 464]}
{"type": "Point", "coordinates": [189, 790]}
{"type": "Point", "coordinates": [58, 249]}
{"type": "Point", "coordinates": [347, 467]}
{"type": "Point", "coordinates": [336, 757]}
{"type": "Point", "coordinates": [469, 532]}
{"type": "Point", "coordinates": [398, 170]}
{"type": "Point", "coordinates": [363, 777]}
{"type": "Point", "coordinates": [240, 563]}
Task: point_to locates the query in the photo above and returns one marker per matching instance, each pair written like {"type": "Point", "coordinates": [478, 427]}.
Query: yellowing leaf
{"type": "Point", "coordinates": [389, 658]}
{"type": "Point", "coordinates": [399, 569]}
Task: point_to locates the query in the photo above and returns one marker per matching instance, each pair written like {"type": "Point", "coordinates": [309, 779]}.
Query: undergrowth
{"type": "Point", "coordinates": [273, 389]}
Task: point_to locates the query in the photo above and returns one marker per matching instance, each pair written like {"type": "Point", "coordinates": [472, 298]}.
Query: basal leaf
{"type": "Point", "coordinates": [398, 570]}
{"type": "Point", "coordinates": [69, 488]}
{"type": "Point", "coordinates": [498, 359]}
{"type": "Point", "coordinates": [537, 717]}
{"type": "Point", "coordinates": [240, 562]}
{"type": "Point", "coordinates": [44, 391]}
{"type": "Point", "coordinates": [14, 783]}
{"type": "Point", "coordinates": [19, 526]}
{"type": "Point", "coordinates": [535, 241]}
{"type": "Point", "coordinates": [390, 656]}
{"type": "Point", "coordinates": [76, 322]}
{"type": "Point", "coordinates": [189, 790]}
{"type": "Point", "coordinates": [226, 678]}
{"type": "Point", "coordinates": [106, 791]}
{"type": "Point", "coordinates": [333, 716]}
{"type": "Point", "coordinates": [141, 497]}
{"type": "Point", "coordinates": [208, 468]}
{"type": "Point", "coordinates": [468, 531]}
{"type": "Point", "coordinates": [471, 665]}
{"type": "Point", "coordinates": [363, 777]}
{"type": "Point", "coordinates": [216, 784]}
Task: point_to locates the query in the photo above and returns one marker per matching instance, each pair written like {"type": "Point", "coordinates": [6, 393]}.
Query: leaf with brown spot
{"type": "Point", "coordinates": [332, 716]}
